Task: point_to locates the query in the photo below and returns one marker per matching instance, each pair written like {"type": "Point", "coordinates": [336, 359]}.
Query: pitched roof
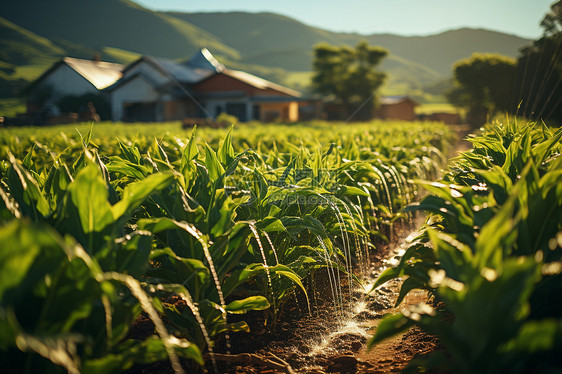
{"type": "Point", "coordinates": [258, 82]}
{"type": "Point", "coordinates": [199, 67]}
{"type": "Point", "coordinates": [181, 72]}
{"type": "Point", "coordinates": [205, 60]}
{"type": "Point", "coordinates": [99, 73]}
{"type": "Point", "coordinates": [123, 81]}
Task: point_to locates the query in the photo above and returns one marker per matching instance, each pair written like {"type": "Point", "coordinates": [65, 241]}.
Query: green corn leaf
{"type": "Point", "coordinates": [135, 193]}
{"type": "Point", "coordinates": [386, 275]}
{"type": "Point", "coordinates": [188, 155]}
{"type": "Point", "coordinates": [212, 163]}
{"type": "Point", "coordinates": [542, 150]}
{"type": "Point", "coordinates": [232, 327]}
{"type": "Point", "coordinates": [271, 224]}
{"type": "Point", "coordinates": [411, 283]}
{"type": "Point", "coordinates": [59, 349]}
{"type": "Point", "coordinates": [20, 247]}
{"type": "Point", "coordinates": [453, 256]}
{"type": "Point", "coordinates": [245, 305]}
{"type": "Point", "coordinates": [148, 351]}
{"type": "Point", "coordinates": [354, 191]}
{"type": "Point", "coordinates": [225, 153]}
{"type": "Point", "coordinates": [125, 167]}
{"type": "Point", "coordinates": [536, 336]}
{"type": "Point", "coordinates": [498, 181]}
{"type": "Point", "coordinates": [290, 274]}
{"type": "Point", "coordinates": [26, 190]}
{"type": "Point", "coordinates": [130, 152]}
{"type": "Point", "coordinates": [238, 277]}
{"type": "Point", "coordinates": [497, 237]}
{"type": "Point", "coordinates": [89, 196]}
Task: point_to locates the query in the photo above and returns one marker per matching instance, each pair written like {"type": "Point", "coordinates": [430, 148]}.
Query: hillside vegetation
{"type": "Point", "coordinates": [440, 51]}
{"type": "Point", "coordinates": [19, 46]}
{"type": "Point", "coordinates": [266, 44]}
{"type": "Point", "coordinates": [260, 34]}
{"type": "Point", "coordinates": [112, 23]}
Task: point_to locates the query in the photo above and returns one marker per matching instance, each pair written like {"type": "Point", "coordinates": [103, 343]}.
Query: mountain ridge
{"type": "Point", "coordinates": [271, 45]}
{"type": "Point", "coordinates": [299, 36]}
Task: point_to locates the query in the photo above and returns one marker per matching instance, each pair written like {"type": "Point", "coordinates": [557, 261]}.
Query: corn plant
{"type": "Point", "coordinates": [191, 231]}
{"type": "Point", "coordinates": [59, 305]}
{"type": "Point", "coordinates": [490, 254]}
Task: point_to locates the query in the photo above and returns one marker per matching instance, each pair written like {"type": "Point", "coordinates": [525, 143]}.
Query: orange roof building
{"type": "Point", "coordinates": [154, 89]}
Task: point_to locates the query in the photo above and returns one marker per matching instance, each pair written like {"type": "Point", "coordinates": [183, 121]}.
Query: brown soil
{"type": "Point", "coordinates": [318, 344]}
{"type": "Point", "coordinates": [462, 131]}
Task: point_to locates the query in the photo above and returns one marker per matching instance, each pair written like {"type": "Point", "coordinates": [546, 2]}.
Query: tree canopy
{"type": "Point", "coordinates": [529, 87]}
{"type": "Point", "coordinates": [349, 76]}
{"type": "Point", "coordinates": [485, 85]}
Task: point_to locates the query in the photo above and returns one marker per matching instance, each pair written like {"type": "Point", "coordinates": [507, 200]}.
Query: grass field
{"type": "Point", "coordinates": [435, 108]}
{"type": "Point", "coordinates": [298, 79]}
{"type": "Point", "coordinates": [11, 107]}
{"type": "Point", "coordinates": [246, 135]}
{"type": "Point", "coordinates": [32, 72]}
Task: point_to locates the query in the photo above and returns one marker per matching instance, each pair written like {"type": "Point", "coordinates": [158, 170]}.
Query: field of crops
{"type": "Point", "coordinates": [490, 255]}
{"type": "Point", "coordinates": [189, 230]}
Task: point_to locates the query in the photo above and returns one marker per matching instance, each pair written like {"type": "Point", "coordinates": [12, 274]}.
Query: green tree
{"type": "Point", "coordinates": [485, 85]}
{"type": "Point", "coordinates": [552, 21]}
{"type": "Point", "coordinates": [349, 76]}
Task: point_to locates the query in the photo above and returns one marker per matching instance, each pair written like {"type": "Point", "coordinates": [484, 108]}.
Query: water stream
{"type": "Point", "coordinates": [356, 323]}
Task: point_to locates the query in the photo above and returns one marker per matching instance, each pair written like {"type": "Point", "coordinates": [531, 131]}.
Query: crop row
{"type": "Point", "coordinates": [95, 233]}
{"type": "Point", "coordinates": [490, 254]}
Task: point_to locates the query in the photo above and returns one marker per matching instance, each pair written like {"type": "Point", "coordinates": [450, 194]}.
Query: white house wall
{"type": "Point", "coordinates": [137, 90]}
{"type": "Point", "coordinates": [66, 81]}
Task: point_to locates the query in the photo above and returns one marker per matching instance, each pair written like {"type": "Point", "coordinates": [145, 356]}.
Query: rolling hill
{"type": "Point", "coordinates": [440, 51]}
{"type": "Point", "coordinates": [252, 33]}
{"type": "Point", "coordinates": [112, 23]}
{"type": "Point", "coordinates": [19, 46]}
{"type": "Point", "coordinates": [273, 46]}
{"type": "Point", "coordinates": [279, 41]}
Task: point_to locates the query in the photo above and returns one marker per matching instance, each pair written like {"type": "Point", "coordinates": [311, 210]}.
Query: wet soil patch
{"type": "Point", "coordinates": [322, 342]}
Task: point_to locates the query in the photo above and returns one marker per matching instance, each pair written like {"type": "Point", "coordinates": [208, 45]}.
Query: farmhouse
{"type": "Point", "coordinates": [70, 77]}
{"type": "Point", "coordinates": [154, 89]}
{"type": "Point", "coordinates": [397, 108]}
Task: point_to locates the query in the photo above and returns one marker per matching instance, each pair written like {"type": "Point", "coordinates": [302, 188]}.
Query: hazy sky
{"type": "Point", "coordinates": [405, 17]}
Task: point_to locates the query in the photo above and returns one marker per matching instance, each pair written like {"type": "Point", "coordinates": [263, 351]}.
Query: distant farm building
{"type": "Point", "coordinates": [70, 77]}
{"type": "Point", "coordinates": [397, 108]}
{"type": "Point", "coordinates": [154, 89]}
